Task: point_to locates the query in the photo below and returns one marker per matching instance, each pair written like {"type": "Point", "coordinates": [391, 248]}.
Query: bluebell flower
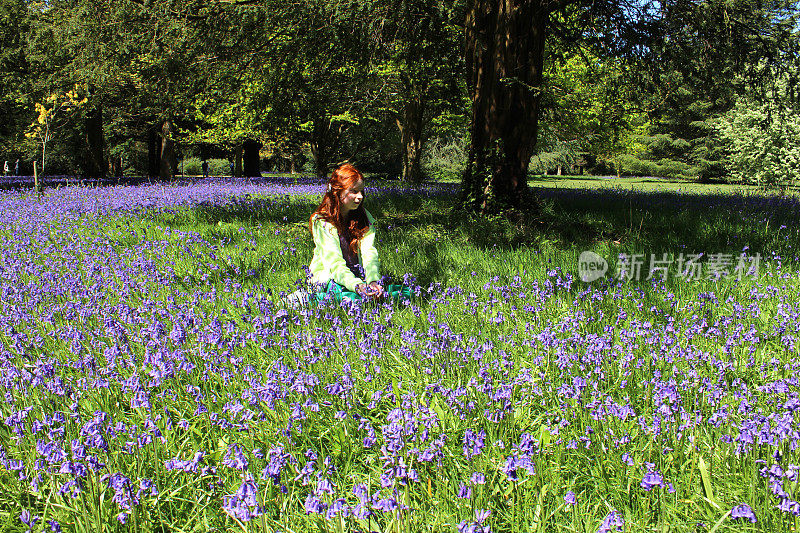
{"type": "Point", "coordinates": [243, 504]}
{"type": "Point", "coordinates": [743, 511]}
{"type": "Point", "coordinates": [613, 522]}
{"type": "Point", "coordinates": [28, 519]}
{"type": "Point", "coordinates": [314, 505]}
{"type": "Point", "coordinates": [651, 480]}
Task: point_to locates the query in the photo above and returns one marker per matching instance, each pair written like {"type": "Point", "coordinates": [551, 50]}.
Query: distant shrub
{"type": "Point", "coordinates": [445, 158]}
{"type": "Point", "coordinates": [545, 162]}
{"type": "Point", "coordinates": [663, 168]}
{"type": "Point", "coordinates": [193, 166]}
{"type": "Point", "coordinates": [761, 142]}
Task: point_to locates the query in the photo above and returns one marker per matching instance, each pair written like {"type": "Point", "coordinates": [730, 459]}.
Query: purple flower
{"type": "Point", "coordinates": [385, 505]}
{"type": "Point", "coordinates": [314, 505]}
{"type": "Point", "coordinates": [235, 458]}
{"type": "Point", "coordinates": [476, 527]}
{"type": "Point", "coordinates": [28, 519]}
{"type": "Point", "coordinates": [652, 479]}
{"type": "Point", "coordinates": [743, 511]}
{"type": "Point", "coordinates": [612, 522]}
{"type": "Point", "coordinates": [243, 504]}
{"type": "Point", "coordinates": [569, 498]}
{"type": "Point", "coordinates": [324, 486]}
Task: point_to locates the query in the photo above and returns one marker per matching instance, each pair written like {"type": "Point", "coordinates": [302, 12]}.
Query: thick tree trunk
{"type": "Point", "coordinates": [251, 159]}
{"type": "Point", "coordinates": [324, 144]}
{"type": "Point", "coordinates": [153, 152]}
{"type": "Point", "coordinates": [94, 160]}
{"type": "Point", "coordinates": [410, 126]}
{"type": "Point", "coordinates": [505, 53]}
{"type": "Point", "coordinates": [319, 147]}
{"type": "Point", "coordinates": [238, 157]}
{"type": "Point", "coordinates": [168, 162]}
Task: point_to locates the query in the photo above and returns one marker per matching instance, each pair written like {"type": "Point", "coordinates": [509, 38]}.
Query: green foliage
{"type": "Point", "coordinates": [762, 143]}
{"type": "Point", "coordinates": [663, 168]}
{"type": "Point", "coordinates": [445, 159]}
{"type": "Point", "coordinates": [419, 63]}
{"type": "Point", "coordinates": [708, 53]}
{"type": "Point", "coordinates": [15, 76]}
{"type": "Point", "coordinates": [378, 79]}
{"type": "Point", "coordinates": [590, 107]}
{"type": "Point", "coordinates": [193, 166]}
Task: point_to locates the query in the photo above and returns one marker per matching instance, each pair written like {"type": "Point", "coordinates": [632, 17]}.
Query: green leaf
{"type": "Point", "coordinates": [719, 522]}
{"type": "Point", "coordinates": [706, 478]}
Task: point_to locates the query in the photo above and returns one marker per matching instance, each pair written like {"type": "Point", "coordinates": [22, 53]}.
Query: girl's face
{"type": "Point", "coordinates": [351, 198]}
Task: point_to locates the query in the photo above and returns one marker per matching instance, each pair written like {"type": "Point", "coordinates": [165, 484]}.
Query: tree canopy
{"type": "Point", "coordinates": [633, 86]}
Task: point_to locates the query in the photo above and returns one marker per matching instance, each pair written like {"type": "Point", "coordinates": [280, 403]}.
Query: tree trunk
{"type": "Point", "coordinates": [319, 146]}
{"type": "Point", "coordinates": [115, 166]}
{"type": "Point", "coordinates": [324, 143]}
{"type": "Point", "coordinates": [153, 152]}
{"type": "Point", "coordinates": [237, 169]}
{"type": "Point", "coordinates": [251, 159]}
{"type": "Point", "coordinates": [94, 160]}
{"type": "Point", "coordinates": [410, 126]}
{"type": "Point", "coordinates": [505, 52]}
{"type": "Point", "coordinates": [320, 165]}
{"type": "Point", "coordinates": [168, 162]}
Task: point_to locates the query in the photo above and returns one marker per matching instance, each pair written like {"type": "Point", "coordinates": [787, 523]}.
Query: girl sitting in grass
{"type": "Point", "coordinates": [345, 259]}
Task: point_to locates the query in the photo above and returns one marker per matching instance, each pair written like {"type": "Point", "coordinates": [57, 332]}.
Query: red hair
{"type": "Point", "coordinates": [343, 178]}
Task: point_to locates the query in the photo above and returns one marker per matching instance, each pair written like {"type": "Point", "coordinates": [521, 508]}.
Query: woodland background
{"type": "Point", "coordinates": [483, 92]}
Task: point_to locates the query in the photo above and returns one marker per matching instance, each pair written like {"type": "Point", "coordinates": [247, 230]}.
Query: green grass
{"type": "Point", "coordinates": [494, 280]}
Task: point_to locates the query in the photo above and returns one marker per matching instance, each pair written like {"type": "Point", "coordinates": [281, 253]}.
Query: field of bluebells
{"type": "Point", "coordinates": [154, 382]}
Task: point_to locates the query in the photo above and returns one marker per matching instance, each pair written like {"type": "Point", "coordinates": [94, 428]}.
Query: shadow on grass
{"type": "Point", "coordinates": [657, 222]}
{"type": "Point", "coordinates": [640, 222]}
{"type": "Point", "coordinates": [618, 220]}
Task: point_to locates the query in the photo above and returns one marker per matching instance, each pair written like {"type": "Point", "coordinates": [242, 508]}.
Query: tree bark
{"type": "Point", "coordinates": [251, 159]}
{"type": "Point", "coordinates": [168, 161]}
{"type": "Point", "coordinates": [238, 157]}
{"type": "Point", "coordinates": [94, 160]}
{"type": "Point", "coordinates": [410, 126]}
{"type": "Point", "coordinates": [505, 52]}
{"type": "Point", "coordinates": [324, 143]}
{"type": "Point", "coordinates": [319, 147]}
{"type": "Point", "coordinates": [153, 152]}
{"type": "Point", "coordinates": [115, 166]}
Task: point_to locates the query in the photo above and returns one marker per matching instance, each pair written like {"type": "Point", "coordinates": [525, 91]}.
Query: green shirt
{"type": "Point", "coordinates": [328, 263]}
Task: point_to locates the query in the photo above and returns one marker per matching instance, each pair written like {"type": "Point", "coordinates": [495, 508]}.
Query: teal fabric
{"type": "Point", "coordinates": [334, 291]}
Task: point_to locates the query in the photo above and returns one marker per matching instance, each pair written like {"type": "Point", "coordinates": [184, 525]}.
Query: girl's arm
{"type": "Point", "coordinates": [369, 253]}
{"type": "Point", "coordinates": [327, 243]}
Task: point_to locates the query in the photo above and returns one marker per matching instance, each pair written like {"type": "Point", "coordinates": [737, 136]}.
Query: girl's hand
{"type": "Point", "coordinates": [362, 289]}
{"type": "Point", "coordinates": [375, 289]}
